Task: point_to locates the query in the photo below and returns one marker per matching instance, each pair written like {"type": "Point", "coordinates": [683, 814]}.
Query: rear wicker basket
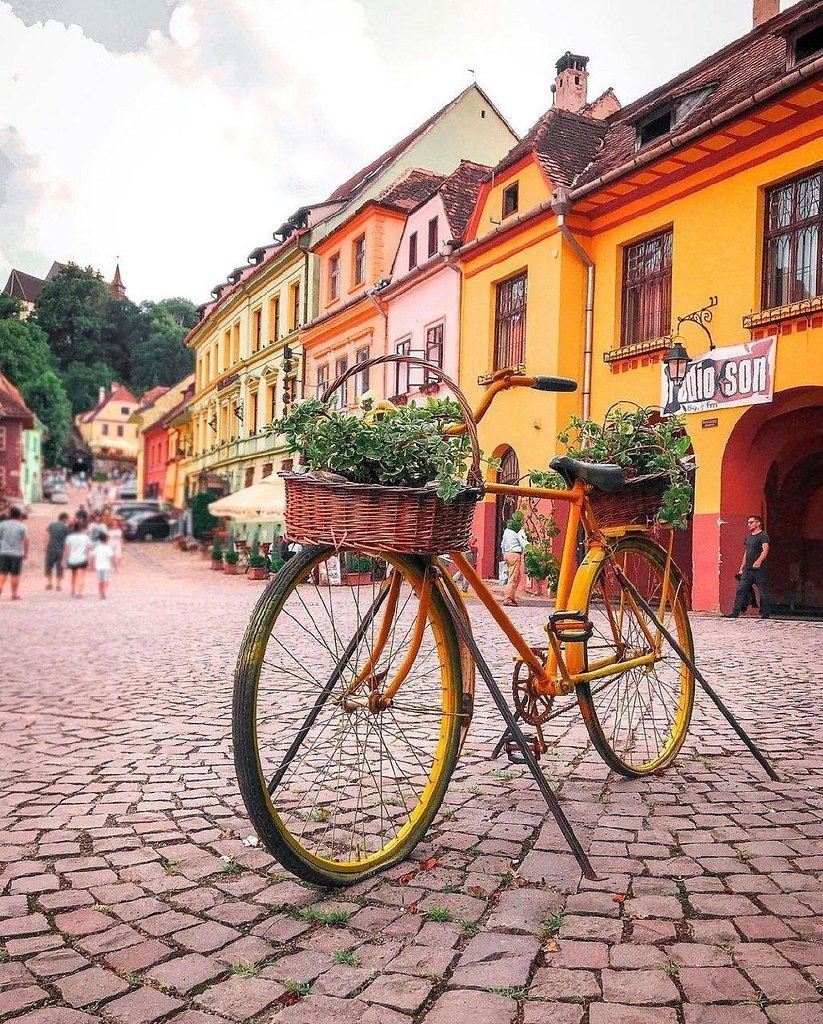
{"type": "Point", "coordinates": [405, 520]}
{"type": "Point", "coordinates": [636, 504]}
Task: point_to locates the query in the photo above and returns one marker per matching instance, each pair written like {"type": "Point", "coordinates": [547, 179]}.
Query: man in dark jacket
{"type": "Point", "coordinates": [753, 569]}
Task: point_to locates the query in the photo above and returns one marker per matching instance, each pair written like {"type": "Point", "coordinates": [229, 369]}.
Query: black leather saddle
{"type": "Point", "coordinates": [606, 478]}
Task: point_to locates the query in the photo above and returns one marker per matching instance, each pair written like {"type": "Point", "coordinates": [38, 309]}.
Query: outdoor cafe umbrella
{"type": "Point", "coordinates": [263, 502]}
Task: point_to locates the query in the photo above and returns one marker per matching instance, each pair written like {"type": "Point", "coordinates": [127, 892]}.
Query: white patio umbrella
{"type": "Point", "coordinates": [263, 502]}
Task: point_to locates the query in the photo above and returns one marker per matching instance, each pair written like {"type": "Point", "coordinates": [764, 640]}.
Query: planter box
{"type": "Point", "coordinates": [358, 579]}
{"type": "Point", "coordinates": [258, 572]}
{"type": "Point", "coordinates": [217, 564]}
{"type": "Point", "coordinates": [230, 570]}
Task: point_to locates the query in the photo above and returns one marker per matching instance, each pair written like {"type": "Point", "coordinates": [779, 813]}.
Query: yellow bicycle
{"type": "Point", "coordinates": [354, 686]}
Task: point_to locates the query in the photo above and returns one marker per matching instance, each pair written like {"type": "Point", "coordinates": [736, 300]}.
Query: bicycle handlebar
{"type": "Point", "coordinates": [508, 380]}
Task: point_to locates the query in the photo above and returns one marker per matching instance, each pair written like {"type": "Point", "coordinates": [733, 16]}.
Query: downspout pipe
{"type": "Point", "coordinates": [561, 205]}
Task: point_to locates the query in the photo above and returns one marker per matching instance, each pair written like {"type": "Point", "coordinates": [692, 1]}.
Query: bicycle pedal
{"type": "Point", "coordinates": [515, 755]}
{"type": "Point", "coordinates": [570, 627]}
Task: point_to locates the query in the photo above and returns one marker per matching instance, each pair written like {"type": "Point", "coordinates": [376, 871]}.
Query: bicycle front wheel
{"type": "Point", "coordinates": [637, 718]}
{"type": "Point", "coordinates": [337, 785]}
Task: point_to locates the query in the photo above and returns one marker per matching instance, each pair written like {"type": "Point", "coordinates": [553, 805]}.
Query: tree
{"type": "Point", "coordinates": [122, 328]}
{"type": "Point", "coordinates": [27, 360]}
{"type": "Point", "coordinates": [71, 310]}
{"type": "Point", "coordinates": [161, 357]}
{"type": "Point", "coordinates": [83, 384]}
{"type": "Point", "coordinates": [9, 307]}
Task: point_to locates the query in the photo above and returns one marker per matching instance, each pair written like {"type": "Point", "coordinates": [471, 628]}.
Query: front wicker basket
{"type": "Point", "coordinates": [405, 520]}
{"type": "Point", "coordinates": [637, 503]}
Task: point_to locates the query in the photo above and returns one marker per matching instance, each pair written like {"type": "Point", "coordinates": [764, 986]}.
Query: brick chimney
{"type": "Point", "coordinates": [763, 11]}
{"type": "Point", "coordinates": [571, 82]}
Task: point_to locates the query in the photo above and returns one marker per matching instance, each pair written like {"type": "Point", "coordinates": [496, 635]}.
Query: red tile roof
{"type": "Point", "coordinates": [731, 75]}
{"type": "Point", "coordinates": [412, 188]}
{"type": "Point", "coordinates": [23, 286]}
{"type": "Point", "coordinates": [152, 395]}
{"type": "Point", "coordinates": [459, 194]}
{"type": "Point", "coordinates": [119, 393]}
{"type": "Point", "coordinates": [12, 406]}
{"type": "Point", "coordinates": [563, 143]}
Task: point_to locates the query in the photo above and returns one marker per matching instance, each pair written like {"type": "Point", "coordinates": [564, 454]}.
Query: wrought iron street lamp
{"type": "Point", "coordinates": [677, 361]}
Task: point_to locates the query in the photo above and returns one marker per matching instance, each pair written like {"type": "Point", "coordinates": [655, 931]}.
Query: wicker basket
{"type": "Point", "coordinates": [405, 520]}
{"type": "Point", "coordinates": [637, 503]}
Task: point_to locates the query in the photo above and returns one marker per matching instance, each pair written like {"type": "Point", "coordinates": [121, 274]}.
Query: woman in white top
{"type": "Point", "coordinates": [115, 532]}
{"type": "Point", "coordinates": [512, 547]}
{"type": "Point", "coordinates": [77, 549]}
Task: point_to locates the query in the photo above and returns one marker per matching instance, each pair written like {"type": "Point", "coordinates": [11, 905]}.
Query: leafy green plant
{"type": "Point", "coordinates": [311, 915]}
{"type": "Point", "coordinates": [201, 519]}
{"type": "Point", "coordinates": [297, 988]}
{"type": "Point", "coordinates": [231, 558]}
{"type": "Point", "coordinates": [257, 561]}
{"type": "Point", "coordinates": [438, 914]}
{"type": "Point", "coordinates": [347, 957]}
{"type": "Point", "coordinates": [390, 445]}
{"type": "Point", "coordinates": [244, 969]}
{"type": "Point", "coordinates": [217, 553]}
{"type": "Point", "coordinates": [639, 440]}
{"type": "Point", "coordinates": [276, 562]}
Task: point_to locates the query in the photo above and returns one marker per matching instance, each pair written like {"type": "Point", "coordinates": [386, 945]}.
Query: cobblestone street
{"type": "Point", "coordinates": [128, 895]}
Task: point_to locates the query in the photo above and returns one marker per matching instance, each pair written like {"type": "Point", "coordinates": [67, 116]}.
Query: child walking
{"type": "Point", "coordinates": [103, 556]}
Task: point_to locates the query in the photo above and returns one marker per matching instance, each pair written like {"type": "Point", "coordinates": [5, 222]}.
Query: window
{"type": "Point", "coordinates": [341, 396]}
{"type": "Point", "coordinates": [511, 199]}
{"type": "Point", "coordinates": [206, 370]}
{"type": "Point", "coordinates": [401, 370]}
{"type": "Point", "coordinates": [248, 476]}
{"type": "Point", "coordinates": [433, 236]}
{"type": "Point", "coordinates": [334, 276]}
{"type": "Point", "coordinates": [120, 430]}
{"type": "Point", "coordinates": [360, 259]}
{"type": "Point", "coordinates": [322, 379]}
{"type": "Point", "coordinates": [510, 323]}
{"type": "Point", "coordinates": [235, 342]}
{"type": "Point", "coordinates": [434, 350]}
{"type": "Point", "coordinates": [225, 355]}
{"type": "Point", "coordinates": [809, 44]}
{"type": "Point", "coordinates": [792, 264]}
{"type": "Point", "coordinates": [252, 409]}
{"type": "Point", "coordinates": [647, 289]}
{"type": "Point", "coordinates": [256, 329]}
{"type": "Point", "coordinates": [105, 430]}
{"type": "Point", "coordinates": [271, 403]}
{"type": "Point", "coordinates": [295, 306]}
{"type": "Point", "coordinates": [361, 378]}
{"type": "Point", "coordinates": [654, 128]}
{"type": "Point", "coordinates": [412, 252]}
{"type": "Point", "coordinates": [274, 317]}
{"type": "Point", "coordinates": [124, 410]}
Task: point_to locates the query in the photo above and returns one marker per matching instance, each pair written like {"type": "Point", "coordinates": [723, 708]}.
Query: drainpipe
{"type": "Point", "coordinates": [382, 309]}
{"type": "Point", "coordinates": [561, 204]}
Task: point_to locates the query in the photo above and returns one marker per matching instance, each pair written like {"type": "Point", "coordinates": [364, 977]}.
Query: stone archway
{"type": "Point", "coordinates": [773, 466]}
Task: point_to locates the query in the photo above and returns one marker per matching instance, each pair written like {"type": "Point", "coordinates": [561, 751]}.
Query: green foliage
{"type": "Point", "coordinates": [357, 563]}
{"type": "Point", "coordinates": [538, 558]}
{"type": "Point", "coordinates": [402, 446]}
{"type": "Point", "coordinates": [442, 914]}
{"type": "Point", "coordinates": [257, 561]}
{"type": "Point", "coordinates": [346, 956]}
{"type": "Point", "coordinates": [275, 561]}
{"type": "Point", "coordinates": [83, 382]}
{"type": "Point", "coordinates": [160, 356]}
{"type": "Point", "coordinates": [515, 521]}
{"type": "Point", "coordinates": [311, 915]}
{"type": "Point", "coordinates": [201, 519]}
{"type": "Point", "coordinates": [27, 361]}
{"type": "Point", "coordinates": [70, 309]}
{"type": "Point", "coordinates": [216, 553]}
{"type": "Point", "coordinates": [231, 557]}
{"type": "Point", "coordinates": [10, 307]}
{"type": "Point", "coordinates": [632, 436]}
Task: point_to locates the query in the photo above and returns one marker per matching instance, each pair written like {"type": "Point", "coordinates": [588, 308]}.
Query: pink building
{"type": "Point", "coordinates": [423, 299]}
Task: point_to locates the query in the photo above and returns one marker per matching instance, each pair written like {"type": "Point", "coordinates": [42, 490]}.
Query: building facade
{"type": "Point", "coordinates": [109, 431]}
{"type": "Point", "coordinates": [16, 419]}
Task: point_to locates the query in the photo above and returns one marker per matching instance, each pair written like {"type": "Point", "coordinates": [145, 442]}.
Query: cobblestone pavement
{"type": "Point", "coordinates": [127, 894]}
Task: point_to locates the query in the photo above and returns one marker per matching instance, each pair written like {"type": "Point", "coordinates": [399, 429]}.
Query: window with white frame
{"type": "Point", "coordinates": [322, 379]}
{"type": "Point", "coordinates": [434, 350]}
{"type": "Point", "coordinates": [359, 261]}
{"type": "Point", "coordinates": [401, 370]}
{"type": "Point", "coordinates": [334, 276]}
{"type": "Point", "coordinates": [361, 378]}
{"type": "Point", "coordinates": [341, 395]}
{"type": "Point", "coordinates": [432, 236]}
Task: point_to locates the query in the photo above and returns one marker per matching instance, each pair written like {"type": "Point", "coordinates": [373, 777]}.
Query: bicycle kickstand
{"type": "Point", "coordinates": [514, 731]}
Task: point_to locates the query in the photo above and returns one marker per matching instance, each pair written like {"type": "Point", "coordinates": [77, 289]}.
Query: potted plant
{"type": "Point", "coordinates": [538, 559]}
{"type": "Point", "coordinates": [217, 558]}
{"type": "Point", "coordinates": [258, 568]}
{"type": "Point", "coordinates": [230, 560]}
{"type": "Point", "coordinates": [653, 452]}
{"type": "Point", "coordinates": [357, 569]}
{"type": "Point", "coordinates": [276, 562]}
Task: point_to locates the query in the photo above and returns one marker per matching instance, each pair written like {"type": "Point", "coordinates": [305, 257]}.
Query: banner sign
{"type": "Point", "coordinates": [723, 378]}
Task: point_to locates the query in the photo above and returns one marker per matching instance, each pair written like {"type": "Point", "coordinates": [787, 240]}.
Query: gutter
{"type": "Point", "coordinates": [795, 76]}
{"type": "Point", "coordinates": [561, 205]}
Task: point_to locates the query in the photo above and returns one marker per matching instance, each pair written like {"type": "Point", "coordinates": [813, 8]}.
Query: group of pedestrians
{"type": "Point", "coordinates": [80, 544]}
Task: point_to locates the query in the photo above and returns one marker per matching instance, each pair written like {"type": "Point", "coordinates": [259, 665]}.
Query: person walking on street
{"type": "Point", "coordinates": [78, 551]}
{"type": "Point", "coordinates": [56, 534]}
{"type": "Point", "coordinates": [512, 547]}
{"type": "Point", "coordinates": [103, 556]}
{"type": "Point", "coordinates": [14, 550]}
{"type": "Point", "coordinates": [115, 532]}
{"type": "Point", "coordinates": [753, 570]}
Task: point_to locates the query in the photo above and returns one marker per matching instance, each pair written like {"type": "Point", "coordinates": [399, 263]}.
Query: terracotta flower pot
{"type": "Point", "coordinates": [230, 570]}
{"type": "Point", "coordinates": [257, 572]}
{"type": "Point", "coordinates": [217, 564]}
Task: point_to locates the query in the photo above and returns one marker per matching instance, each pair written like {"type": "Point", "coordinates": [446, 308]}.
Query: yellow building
{"type": "Point", "coordinates": [705, 193]}
{"type": "Point", "coordinates": [249, 359]}
{"type": "Point", "coordinates": [108, 431]}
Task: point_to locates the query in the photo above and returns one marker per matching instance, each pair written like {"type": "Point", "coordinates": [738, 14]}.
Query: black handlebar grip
{"type": "Point", "coordinates": [555, 384]}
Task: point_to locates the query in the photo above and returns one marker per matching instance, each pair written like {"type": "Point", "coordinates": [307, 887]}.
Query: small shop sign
{"type": "Point", "coordinates": [723, 378]}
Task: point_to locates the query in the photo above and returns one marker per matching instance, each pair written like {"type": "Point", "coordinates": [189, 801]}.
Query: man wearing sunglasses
{"type": "Point", "coordinates": [753, 569]}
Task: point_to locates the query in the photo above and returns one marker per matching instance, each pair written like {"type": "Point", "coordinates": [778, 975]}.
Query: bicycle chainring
{"type": "Point", "coordinates": [531, 706]}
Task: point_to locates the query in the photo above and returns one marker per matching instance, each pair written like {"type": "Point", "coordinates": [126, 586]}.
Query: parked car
{"type": "Point", "coordinates": [58, 496]}
{"type": "Point", "coordinates": [147, 524]}
{"type": "Point", "coordinates": [128, 490]}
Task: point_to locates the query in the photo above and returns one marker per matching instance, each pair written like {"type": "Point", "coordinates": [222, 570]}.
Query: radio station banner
{"type": "Point", "coordinates": [723, 378]}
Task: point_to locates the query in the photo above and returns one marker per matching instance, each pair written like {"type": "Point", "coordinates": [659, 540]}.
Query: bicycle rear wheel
{"type": "Point", "coordinates": [637, 719]}
{"type": "Point", "coordinates": [336, 786]}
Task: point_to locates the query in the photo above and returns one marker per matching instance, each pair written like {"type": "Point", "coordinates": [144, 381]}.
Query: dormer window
{"type": "Point", "coordinates": [810, 44]}
{"type": "Point", "coordinates": [511, 200]}
{"type": "Point", "coordinates": [654, 128]}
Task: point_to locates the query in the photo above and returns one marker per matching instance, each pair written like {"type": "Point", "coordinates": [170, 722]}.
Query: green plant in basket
{"type": "Point", "coordinates": [642, 442]}
{"type": "Point", "coordinates": [401, 446]}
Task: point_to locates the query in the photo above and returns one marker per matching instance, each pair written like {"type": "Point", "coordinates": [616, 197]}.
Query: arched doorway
{"type": "Point", "coordinates": [509, 473]}
{"type": "Point", "coordinates": [773, 467]}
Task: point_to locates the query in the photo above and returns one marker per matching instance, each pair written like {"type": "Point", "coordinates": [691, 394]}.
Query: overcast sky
{"type": "Point", "coordinates": [175, 135]}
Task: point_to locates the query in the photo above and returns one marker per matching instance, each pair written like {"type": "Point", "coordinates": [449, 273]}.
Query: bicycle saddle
{"type": "Point", "coordinates": [605, 478]}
